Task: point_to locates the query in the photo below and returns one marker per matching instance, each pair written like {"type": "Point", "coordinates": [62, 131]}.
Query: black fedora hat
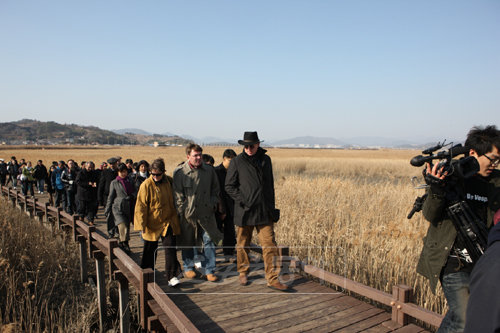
{"type": "Point", "coordinates": [250, 138]}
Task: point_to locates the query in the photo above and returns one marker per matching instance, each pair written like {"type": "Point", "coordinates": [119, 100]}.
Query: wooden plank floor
{"type": "Point", "coordinates": [226, 306]}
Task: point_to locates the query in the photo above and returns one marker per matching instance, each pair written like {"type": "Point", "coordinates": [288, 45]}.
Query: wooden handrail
{"type": "Point", "coordinates": [171, 310]}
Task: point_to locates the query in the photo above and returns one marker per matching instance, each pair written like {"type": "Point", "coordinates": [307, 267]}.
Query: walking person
{"type": "Point", "coordinates": [58, 185]}
{"type": "Point", "coordinates": [120, 201]}
{"type": "Point", "coordinates": [13, 171]}
{"type": "Point", "coordinates": [40, 174]}
{"type": "Point", "coordinates": [86, 194]}
{"type": "Point", "coordinates": [196, 191]}
{"type": "Point", "coordinates": [142, 173]}
{"type": "Point", "coordinates": [250, 182]}
{"type": "Point", "coordinates": [3, 172]}
{"type": "Point", "coordinates": [156, 217]}
{"type": "Point", "coordinates": [68, 177]}
{"type": "Point", "coordinates": [26, 177]}
{"type": "Point", "coordinates": [225, 208]}
{"type": "Point", "coordinates": [107, 176]}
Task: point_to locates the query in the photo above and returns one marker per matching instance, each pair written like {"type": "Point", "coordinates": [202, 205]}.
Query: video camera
{"type": "Point", "coordinates": [470, 229]}
{"type": "Point", "coordinates": [462, 168]}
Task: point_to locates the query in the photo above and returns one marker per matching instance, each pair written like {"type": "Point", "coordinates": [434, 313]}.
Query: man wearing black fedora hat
{"type": "Point", "coordinates": [250, 183]}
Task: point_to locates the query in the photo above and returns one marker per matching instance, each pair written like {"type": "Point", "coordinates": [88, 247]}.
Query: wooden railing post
{"type": "Point", "coordinates": [123, 301]}
{"type": "Point", "coordinates": [91, 247]}
{"type": "Point", "coordinates": [75, 232]}
{"type": "Point", "coordinates": [112, 243]}
{"type": "Point", "coordinates": [83, 259]}
{"type": "Point", "coordinates": [101, 288]}
{"type": "Point", "coordinates": [59, 223]}
{"type": "Point", "coordinates": [25, 198]}
{"type": "Point", "coordinates": [17, 197]}
{"type": "Point", "coordinates": [46, 217]}
{"type": "Point", "coordinates": [147, 276]}
{"type": "Point", "coordinates": [34, 207]}
{"type": "Point", "coordinates": [400, 294]}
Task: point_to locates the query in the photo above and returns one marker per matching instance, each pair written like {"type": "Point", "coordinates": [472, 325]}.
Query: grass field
{"type": "Point", "coordinates": [344, 210]}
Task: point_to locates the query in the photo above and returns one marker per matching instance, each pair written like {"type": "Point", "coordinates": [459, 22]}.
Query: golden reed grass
{"type": "Point", "coordinates": [344, 210]}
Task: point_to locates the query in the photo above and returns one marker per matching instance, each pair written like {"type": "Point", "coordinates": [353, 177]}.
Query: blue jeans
{"type": "Point", "coordinates": [456, 290]}
{"type": "Point", "coordinates": [208, 257]}
{"type": "Point", "coordinates": [41, 184]}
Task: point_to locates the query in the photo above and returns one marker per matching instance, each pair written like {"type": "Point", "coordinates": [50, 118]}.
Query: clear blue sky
{"type": "Point", "coordinates": [399, 69]}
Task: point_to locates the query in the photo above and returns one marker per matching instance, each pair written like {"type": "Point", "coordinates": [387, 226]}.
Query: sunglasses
{"type": "Point", "coordinates": [249, 146]}
{"type": "Point", "coordinates": [156, 174]}
{"type": "Point", "coordinates": [493, 161]}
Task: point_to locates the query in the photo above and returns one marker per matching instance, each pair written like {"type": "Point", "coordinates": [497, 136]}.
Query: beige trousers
{"type": "Point", "coordinates": [269, 249]}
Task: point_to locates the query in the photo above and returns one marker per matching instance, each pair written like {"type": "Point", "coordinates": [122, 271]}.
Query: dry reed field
{"type": "Point", "coordinates": [344, 210]}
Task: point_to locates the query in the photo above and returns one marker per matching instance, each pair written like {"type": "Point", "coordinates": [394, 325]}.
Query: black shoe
{"type": "Point", "coordinates": [125, 247]}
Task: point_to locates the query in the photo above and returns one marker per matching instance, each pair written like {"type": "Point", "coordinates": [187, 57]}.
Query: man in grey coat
{"type": "Point", "coordinates": [196, 191]}
{"type": "Point", "coordinates": [250, 182]}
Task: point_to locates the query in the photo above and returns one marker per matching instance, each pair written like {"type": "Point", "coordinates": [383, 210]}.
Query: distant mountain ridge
{"type": "Point", "coordinates": [28, 131]}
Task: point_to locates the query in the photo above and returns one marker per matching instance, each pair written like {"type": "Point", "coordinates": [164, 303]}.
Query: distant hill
{"type": "Point", "coordinates": [28, 131]}
{"type": "Point", "coordinates": [131, 130]}
{"type": "Point", "coordinates": [309, 141]}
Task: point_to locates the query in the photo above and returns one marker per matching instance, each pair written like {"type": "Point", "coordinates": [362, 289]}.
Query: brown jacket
{"type": "Point", "coordinates": [155, 210]}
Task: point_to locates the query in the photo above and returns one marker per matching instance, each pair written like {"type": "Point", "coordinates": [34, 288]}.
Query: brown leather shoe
{"type": "Point", "coordinates": [212, 278]}
{"type": "Point", "coordinates": [190, 274]}
{"type": "Point", "coordinates": [276, 285]}
{"type": "Point", "coordinates": [243, 279]}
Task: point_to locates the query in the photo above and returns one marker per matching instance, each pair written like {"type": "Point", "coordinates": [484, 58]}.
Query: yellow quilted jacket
{"type": "Point", "coordinates": [155, 210]}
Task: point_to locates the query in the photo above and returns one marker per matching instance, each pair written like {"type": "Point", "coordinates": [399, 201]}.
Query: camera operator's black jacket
{"type": "Point", "coordinates": [441, 233]}
{"type": "Point", "coordinates": [484, 302]}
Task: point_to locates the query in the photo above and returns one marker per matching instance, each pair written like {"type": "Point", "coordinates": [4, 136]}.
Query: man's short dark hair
{"type": "Point", "coordinates": [482, 139]}
{"type": "Point", "coordinates": [229, 153]}
{"type": "Point", "coordinates": [209, 159]}
{"type": "Point", "coordinates": [129, 160]}
{"type": "Point", "coordinates": [193, 146]}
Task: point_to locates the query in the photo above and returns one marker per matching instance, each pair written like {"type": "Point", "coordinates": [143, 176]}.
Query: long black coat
{"type": "Point", "coordinates": [250, 182]}
{"type": "Point", "coordinates": [107, 176]}
{"type": "Point", "coordinates": [85, 192]}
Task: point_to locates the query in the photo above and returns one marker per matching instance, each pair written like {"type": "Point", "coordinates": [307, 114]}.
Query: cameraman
{"type": "Point", "coordinates": [443, 256]}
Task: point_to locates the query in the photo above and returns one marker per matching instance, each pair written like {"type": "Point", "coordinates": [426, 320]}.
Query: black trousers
{"type": "Point", "coordinates": [172, 265]}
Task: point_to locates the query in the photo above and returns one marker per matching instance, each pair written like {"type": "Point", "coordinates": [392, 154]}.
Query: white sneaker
{"type": "Point", "coordinates": [197, 264]}
{"type": "Point", "coordinates": [173, 282]}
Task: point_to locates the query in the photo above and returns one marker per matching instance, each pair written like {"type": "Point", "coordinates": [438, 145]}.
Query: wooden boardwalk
{"type": "Point", "coordinates": [226, 306]}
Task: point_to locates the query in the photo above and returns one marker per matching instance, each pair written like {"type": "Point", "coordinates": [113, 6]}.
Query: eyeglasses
{"type": "Point", "coordinates": [249, 146]}
{"type": "Point", "coordinates": [493, 161]}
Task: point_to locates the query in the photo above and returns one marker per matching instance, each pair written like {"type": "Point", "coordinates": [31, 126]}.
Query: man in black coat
{"type": "Point", "coordinates": [40, 174]}
{"type": "Point", "coordinates": [68, 177]}
{"type": "Point", "coordinates": [86, 195]}
{"type": "Point", "coordinates": [3, 171]}
{"type": "Point", "coordinates": [13, 171]}
{"type": "Point", "coordinates": [225, 209]}
{"type": "Point", "coordinates": [107, 176]}
{"type": "Point", "coordinates": [250, 183]}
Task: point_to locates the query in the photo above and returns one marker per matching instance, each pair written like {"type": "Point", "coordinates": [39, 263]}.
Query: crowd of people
{"type": "Point", "coordinates": [194, 211]}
